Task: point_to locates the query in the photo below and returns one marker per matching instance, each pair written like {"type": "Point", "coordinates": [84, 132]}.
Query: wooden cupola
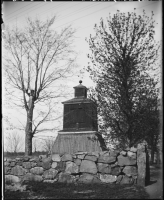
{"type": "Point", "coordinates": [80, 91]}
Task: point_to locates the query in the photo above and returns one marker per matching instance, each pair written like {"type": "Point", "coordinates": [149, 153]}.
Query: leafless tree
{"type": "Point", "coordinates": [14, 142]}
{"type": "Point", "coordinates": [36, 60]}
{"type": "Point", "coordinates": [48, 144]}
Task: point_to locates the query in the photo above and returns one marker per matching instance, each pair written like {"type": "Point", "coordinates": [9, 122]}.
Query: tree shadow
{"type": "Point", "coordinates": [150, 182]}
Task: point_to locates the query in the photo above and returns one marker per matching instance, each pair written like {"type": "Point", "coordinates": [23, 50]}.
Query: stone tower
{"type": "Point", "coordinates": [80, 129]}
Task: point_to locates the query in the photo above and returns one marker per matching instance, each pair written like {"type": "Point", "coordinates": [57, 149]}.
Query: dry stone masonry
{"type": "Point", "coordinates": [125, 167]}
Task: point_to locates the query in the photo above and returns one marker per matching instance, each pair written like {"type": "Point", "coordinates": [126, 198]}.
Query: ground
{"type": "Point", "coordinates": [155, 187]}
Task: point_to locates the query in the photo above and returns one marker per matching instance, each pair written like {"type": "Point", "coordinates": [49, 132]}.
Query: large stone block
{"type": "Point", "coordinates": [34, 159]}
{"type": "Point", "coordinates": [88, 167]}
{"type": "Point", "coordinates": [88, 178]}
{"type": "Point", "coordinates": [94, 153]}
{"type": "Point", "coordinates": [26, 158]}
{"type": "Point", "coordinates": [114, 164]}
{"type": "Point", "coordinates": [18, 170]}
{"type": "Point", "coordinates": [50, 174]}
{"type": "Point", "coordinates": [32, 177]}
{"type": "Point", "coordinates": [119, 178]}
{"type": "Point", "coordinates": [54, 165]}
{"type": "Point", "coordinates": [7, 163]}
{"type": "Point", "coordinates": [37, 170]}
{"type": "Point", "coordinates": [39, 163]}
{"type": "Point", "coordinates": [74, 156]}
{"type": "Point", "coordinates": [123, 161]}
{"type": "Point", "coordinates": [7, 170]}
{"type": "Point", "coordinates": [127, 149]}
{"type": "Point", "coordinates": [77, 161]}
{"type": "Point", "coordinates": [16, 187]}
{"type": "Point", "coordinates": [141, 164]}
{"type": "Point", "coordinates": [133, 149]}
{"type": "Point", "coordinates": [124, 153]}
{"type": "Point", "coordinates": [105, 153]}
{"type": "Point", "coordinates": [71, 168]}
{"type": "Point", "coordinates": [126, 180]}
{"type": "Point", "coordinates": [65, 178]}
{"type": "Point", "coordinates": [104, 168]}
{"type": "Point", "coordinates": [67, 157]}
{"type": "Point", "coordinates": [12, 179]}
{"type": "Point", "coordinates": [33, 164]}
{"type": "Point", "coordinates": [19, 159]}
{"type": "Point", "coordinates": [61, 166]}
{"type": "Point", "coordinates": [41, 157]}
{"type": "Point", "coordinates": [46, 163]}
{"type": "Point", "coordinates": [56, 157]}
{"type": "Point", "coordinates": [134, 178]}
{"type": "Point", "coordinates": [19, 162]}
{"type": "Point", "coordinates": [91, 157]}
{"type": "Point", "coordinates": [12, 164]}
{"type": "Point", "coordinates": [114, 153]}
{"type": "Point", "coordinates": [130, 170]}
{"type": "Point", "coordinates": [46, 160]}
{"type": "Point", "coordinates": [9, 159]}
{"type": "Point", "coordinates": [131, 155]}
{"type": "Point", "coordinates": [27, 165]}
{"type": "Point", "coordinates": [106, 178]}
{"type": "Point", "coordinates": [116, 170]}
{"type": "Point", "coordinates": [81, 155]}
{"type": "Point", "coordinates": [106, 159]}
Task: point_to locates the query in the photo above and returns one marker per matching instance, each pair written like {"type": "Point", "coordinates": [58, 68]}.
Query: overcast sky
{"type": "Point", "coordinates": [82, 16]}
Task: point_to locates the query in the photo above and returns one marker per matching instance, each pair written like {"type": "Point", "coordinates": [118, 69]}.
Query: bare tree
{"type": "Point", "coordinates": [37, 59]}
{"type": "Point", "coordinates": [48, 144]}
{"type": "Point", "coordinates": [14, 142]}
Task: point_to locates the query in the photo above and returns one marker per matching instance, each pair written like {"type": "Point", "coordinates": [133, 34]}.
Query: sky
{"type": "Point", "coordinates": [82, 16]}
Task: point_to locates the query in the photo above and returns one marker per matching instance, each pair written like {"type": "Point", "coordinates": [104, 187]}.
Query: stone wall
{"type": "Point", "coordinates": [125, 167]}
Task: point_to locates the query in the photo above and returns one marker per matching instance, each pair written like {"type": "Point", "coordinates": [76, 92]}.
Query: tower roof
{"type": "Point", "coordinates": [80, 85]}
{"type": "Point", "coordinates": [77, 100]}
{"type": "Point", "coordinates": [80, 95]}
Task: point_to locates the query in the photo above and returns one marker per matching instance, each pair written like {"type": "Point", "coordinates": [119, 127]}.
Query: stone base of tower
{"type": "Point", "coordinates": [72, 142]}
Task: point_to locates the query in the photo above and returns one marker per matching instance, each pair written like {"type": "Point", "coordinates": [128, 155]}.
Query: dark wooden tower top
{"type": "Point", "coordinates": [80, 113]}
{"type": "Point", "coordinates": [80, 91]}
{"type": "Point", "coordinates": [80, 95]}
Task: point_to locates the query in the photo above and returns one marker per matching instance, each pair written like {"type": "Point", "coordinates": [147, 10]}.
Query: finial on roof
{"type": "Point", "coordinates": [80, 81]}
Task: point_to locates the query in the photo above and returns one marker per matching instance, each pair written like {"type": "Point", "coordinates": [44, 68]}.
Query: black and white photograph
{"type": "Point", "coordinates": [82, 101]}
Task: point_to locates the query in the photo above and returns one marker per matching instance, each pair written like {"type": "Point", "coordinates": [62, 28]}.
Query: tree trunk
{"type": "Point", "coordinates": [152, 155]}
{"type": "Point", "coordinates": [28, 131]}
{"type": "Point", "coordinates": [158, 157]}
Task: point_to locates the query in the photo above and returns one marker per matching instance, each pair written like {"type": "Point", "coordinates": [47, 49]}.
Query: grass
{"type": "Point", "coordinates": [40, 190]}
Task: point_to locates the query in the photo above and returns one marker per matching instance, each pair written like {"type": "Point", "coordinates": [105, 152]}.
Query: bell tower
{"type": "Point", "coordinates": [80, 113]}
{"type": "Point", "coordinates": [80, 128]}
